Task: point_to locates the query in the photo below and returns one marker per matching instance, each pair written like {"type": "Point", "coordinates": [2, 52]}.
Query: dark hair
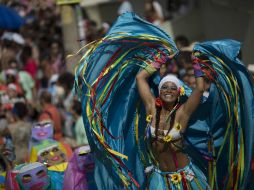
{"type": "Point", "coordinates": [183, 40]}
{"type": "Point", "coordinates": [157, 121]}
{"type": "Point", "coordinates": [20, 110]}
{"type": "Point", "coordinates": [184, 57]}
{"type": "Point", "coordinates": [67, 80]}
{"type": "Point", "coordinates": [26, 53]}
{"type": "Point", "coordinates": [45, 97]}
{"type": "Point", "coordinates": [77, 108]}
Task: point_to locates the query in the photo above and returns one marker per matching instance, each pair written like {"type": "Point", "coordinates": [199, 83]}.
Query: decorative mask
{"type": "Point", "coordinates": [84, 158]}
{"type": "Point", "coordinates": [33, 177]}
{"type": "Point", "coordinates": [51, 155]}
{"type": "Point", "coordinates": [42, 131]}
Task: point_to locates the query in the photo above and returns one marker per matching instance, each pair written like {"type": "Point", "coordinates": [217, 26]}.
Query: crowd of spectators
{"type": "Point", "coordinates": [34, 82]}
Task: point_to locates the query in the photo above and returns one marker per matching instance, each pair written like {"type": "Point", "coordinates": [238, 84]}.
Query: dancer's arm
{"type": "Point", "coordinates": [193, 101]}
{"type": "Point", "coordinates": [144, 91]}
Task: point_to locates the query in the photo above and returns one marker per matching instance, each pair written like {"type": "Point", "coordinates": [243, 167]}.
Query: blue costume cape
{"type": "Point", "coordinates": [114, 116]}
{"type": "Point", "coordinates": [231, 113]}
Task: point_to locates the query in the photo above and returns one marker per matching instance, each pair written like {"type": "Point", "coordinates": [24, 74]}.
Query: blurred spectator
{"type": "Point", "coordinates": [184, 61]}
{"type": "Point", "coordinates": [154, 12]}
{"type": "Point", "coordinates": [25, 80]}
{"type": "Point", "coordinates": [251, 70]}
{"type": "Point", "coordinates": [20, 131]}
{"type": "Point", "coordinates": [7, 51]}
{"type": "Point", "coordinates": [124, 7]}
{"type": "Point", "coordinates": [180, 7]}
{"type": "Point", "coordinates": [80, 132]}
{"type": "Point", "coordinates": [47, 72]}
{"type": "Point", "coordinates": [56, 91]}
{"type": "Point", "coordinates": [191, 78]}
{"type": "Point", "coordinates": [190, 47]}
{"type": "Point", "coordinates": [11, 48]}
{"type": "Point", "coordinates": [50, 112]}
{"type": "Point", "coordinates": [10, 76]}
{"type": "Point", "coordinates": [181, 41]}
{"type": "Point", "coordinates": [30, 40]}
{"type": "Point", "coordinates": [56, 57]}
{"type": "Point", "coordinates": [91, 31]}
{"type": "Point", "coordinates": [66, 81]}
{"type": "Point", "coordinates": [7, 151]}
{"type": "Point", "coordinates": [170, 67]}
{"type": "Point", "coordinates": [103, 30]}
{"type": "Point", "coordinates": [29, 63]}
{"type": "Point", "coordinates": [14, 91]}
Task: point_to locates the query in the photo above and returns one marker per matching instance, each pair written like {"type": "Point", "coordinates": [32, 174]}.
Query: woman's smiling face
{"type": "Point", "coordinates": [169, 92]}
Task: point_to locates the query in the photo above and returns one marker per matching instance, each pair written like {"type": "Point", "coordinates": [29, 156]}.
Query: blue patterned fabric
{"type": "Point", "coordinates": [194, 178]}
{"type": "Point", "coordinates": [120, 108]}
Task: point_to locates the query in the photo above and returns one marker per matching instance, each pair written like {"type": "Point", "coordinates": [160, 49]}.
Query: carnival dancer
{"type": "Point", "coordinates": [115, 118]}
{"type": "Point", "coordinates": [167, 120]}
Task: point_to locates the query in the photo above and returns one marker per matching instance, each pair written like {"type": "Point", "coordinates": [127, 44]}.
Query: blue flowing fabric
{"type": "Point", "coordinates": [158, 179]}
{"type": "Point", "coordinates": [120, 108]}
{"type": "Point", "coordinates": [114, 116]}
{"type": "Point", "coordinates": [211, 117]}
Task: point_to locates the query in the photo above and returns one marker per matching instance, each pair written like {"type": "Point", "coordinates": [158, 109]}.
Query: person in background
{"type": "Point", "coordinates": [65, 81]}
{"type": "Point", "coordinates": [124, 7]}
{"type": "Point", "coordinates": [46, 72]}
{"type": "Point", "coordinates": [191, 78]}
{"type": "Point", "coordinates": [12, 47]}
{"type": "Point", "coordinates": [50, 112]}
{"type": "Point", "coordinates": [56, 57]}
{"type": "Point", "coordinates": [80, 132]}
{"type": "Point", "coordinates": [20, 131]}
{"type": "Point", "coordinates": [25, 80]}
{"type": "Point", "coordinates": [153, 12]}
{"type": "Point", "coordinates": [181, 41]}
{"type": "Point", "coordinates": [251, 70]}
{"type": "Point", "coordinates": [29, 63]}
{"type": "Point", "coordinates": [91, 32]}
{"type": "Point", "coordinates": [30, 40]}
{"type": "Point", "coordinates": [104, 29]}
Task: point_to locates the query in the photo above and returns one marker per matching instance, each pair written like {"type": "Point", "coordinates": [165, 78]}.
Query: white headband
{"type": "Point", "coordinates": [170, 78]}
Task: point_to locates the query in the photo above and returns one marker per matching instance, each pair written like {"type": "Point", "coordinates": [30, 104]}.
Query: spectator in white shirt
{"type": "Point", "coordinates": [124, 7]}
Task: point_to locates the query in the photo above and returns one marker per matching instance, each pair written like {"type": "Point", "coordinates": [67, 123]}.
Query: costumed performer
{"type": "Point", "coordinates": [167, 119]}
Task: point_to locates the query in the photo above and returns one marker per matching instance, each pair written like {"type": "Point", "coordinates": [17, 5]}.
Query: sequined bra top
{"type": "Point", "coordinates": [165, 135]}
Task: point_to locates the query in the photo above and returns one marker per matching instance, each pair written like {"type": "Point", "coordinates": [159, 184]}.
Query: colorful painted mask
{"type": "Point", "coordinates": [42, 131]}
{"type": "Point", "coordinates": [33, 177]}
{"type": "Point", "coordinates": [48, 152]}
{"type": "Point", "coordinates": [84, 158]}
{"type": "Point", "coordinates": [51, 155]}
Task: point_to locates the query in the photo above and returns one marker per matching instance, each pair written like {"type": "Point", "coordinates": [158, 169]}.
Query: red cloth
{"type": "Point", "coordinates": [31, 68]}
{"type": "Point", "coordinates": [50, 112]}
{"type": "Point", "coordinates": [11, 182]}
{"type": "Point", "coordinates": [3, 88]}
